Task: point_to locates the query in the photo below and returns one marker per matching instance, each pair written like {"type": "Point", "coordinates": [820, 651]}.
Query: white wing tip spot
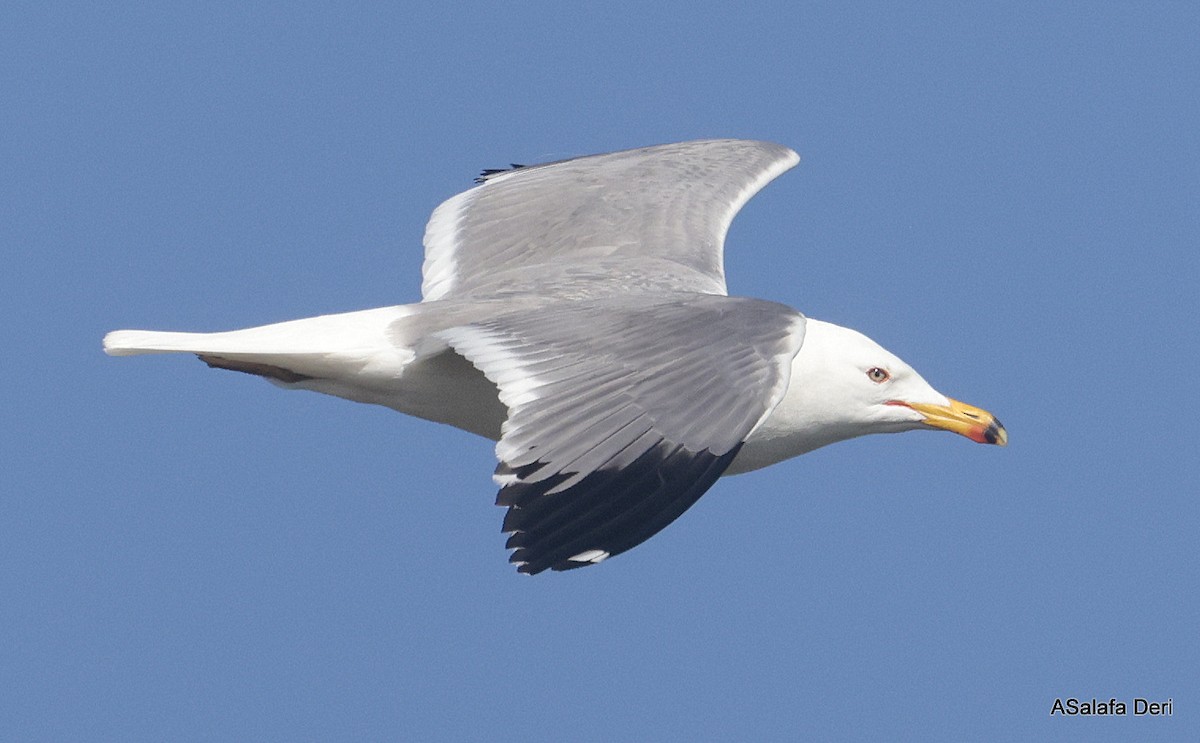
{"type": "Point", "coordinates": [592, 556]}
{"type": "Point", "coordinates": [505, 479]}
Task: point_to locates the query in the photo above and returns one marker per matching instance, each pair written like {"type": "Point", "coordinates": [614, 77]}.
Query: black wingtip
{"type": "Point", "coordinates": [487, 173]}
{"type": "Point", "coordinates": [607, 512]}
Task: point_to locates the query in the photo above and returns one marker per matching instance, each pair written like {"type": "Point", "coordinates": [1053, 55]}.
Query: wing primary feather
{"type": "Point", "coordinates": [551, 509]}
{"type": "Point", "coordinates": [487, 173]}
{"type": "Point", "coordinates": [612, 510]}
{"type": "Point", "coordinates": [615, 495]}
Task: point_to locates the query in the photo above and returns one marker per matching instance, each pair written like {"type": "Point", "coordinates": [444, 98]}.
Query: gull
{"type": "Point", "coordinates": [575, 312]}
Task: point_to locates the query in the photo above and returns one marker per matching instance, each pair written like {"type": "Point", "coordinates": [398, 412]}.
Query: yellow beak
{"type": "Point", "coordinates": [966, 420]}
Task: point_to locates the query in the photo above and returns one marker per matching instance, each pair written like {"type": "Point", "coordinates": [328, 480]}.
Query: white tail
{"type": "Point", "coordinates": [134, 342]}
{"type": "Point", "coordinates": [304, 346]}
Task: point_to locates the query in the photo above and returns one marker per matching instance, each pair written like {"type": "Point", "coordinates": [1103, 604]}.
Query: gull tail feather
{"type": "Point", "coordinates": [313, 347]}
{"type": "Point", "coordinates": [135, 342]}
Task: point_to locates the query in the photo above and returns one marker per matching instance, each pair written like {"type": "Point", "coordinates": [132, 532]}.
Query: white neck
{"type": "Point", "coordinates": [808, 417]}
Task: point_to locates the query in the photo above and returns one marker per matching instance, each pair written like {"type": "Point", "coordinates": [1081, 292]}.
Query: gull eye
{"type": "Point", "coordinates": [877, 375]}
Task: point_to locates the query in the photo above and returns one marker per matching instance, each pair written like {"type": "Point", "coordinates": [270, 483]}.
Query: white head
{"type": "Point", "coordinates": [844, 384]}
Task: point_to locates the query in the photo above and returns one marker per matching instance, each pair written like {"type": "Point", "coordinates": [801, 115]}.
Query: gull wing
{"type": "Point", "coordinates": [647, 219]}
{"type": "Point", "coordinates": [622, 412]}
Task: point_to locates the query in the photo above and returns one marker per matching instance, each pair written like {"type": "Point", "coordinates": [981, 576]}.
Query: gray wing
{"type": "Point", "coordinates": [621, 414]}
{"type": "Point", "coordinates": [653, 218]}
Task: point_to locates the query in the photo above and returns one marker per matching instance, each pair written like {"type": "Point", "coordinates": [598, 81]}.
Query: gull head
{"type": "Point", "coordinates": [843, 385]}
{"type": "Point", "coordinates": [853, 384]}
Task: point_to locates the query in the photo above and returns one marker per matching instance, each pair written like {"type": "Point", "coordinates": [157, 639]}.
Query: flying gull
{"type": "Point", "coordinates": [575, 312]}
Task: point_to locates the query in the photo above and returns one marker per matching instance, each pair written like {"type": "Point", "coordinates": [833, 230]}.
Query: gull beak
{"type": "Point", "coordinates": [966, 420]}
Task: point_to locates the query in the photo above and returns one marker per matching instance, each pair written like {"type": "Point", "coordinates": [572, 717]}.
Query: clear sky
{"type": "Point", "coordinates": [1007, 196]}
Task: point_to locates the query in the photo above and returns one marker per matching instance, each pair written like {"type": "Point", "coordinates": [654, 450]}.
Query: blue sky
{"type": "Point", "coordinates": [1006, 196]}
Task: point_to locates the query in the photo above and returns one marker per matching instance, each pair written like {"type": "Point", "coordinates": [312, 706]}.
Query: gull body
{"type": "Point", "coordinates": [576, 314]}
